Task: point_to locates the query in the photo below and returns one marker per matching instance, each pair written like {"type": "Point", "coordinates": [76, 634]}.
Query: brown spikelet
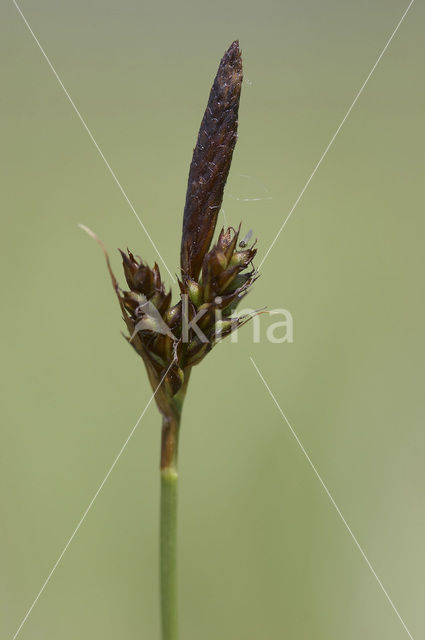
{"type": "Point", "coordinates": [214, 279]}
{"type": "Point", "coordinates": [211, 162]}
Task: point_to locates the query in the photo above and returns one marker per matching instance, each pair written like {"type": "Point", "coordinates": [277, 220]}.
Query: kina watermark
{"type": "Point", "coordinates": [193, 322]}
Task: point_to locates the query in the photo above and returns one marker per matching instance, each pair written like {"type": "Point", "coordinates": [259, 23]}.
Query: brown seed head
{"type": "Point", "coordinates": [211, 162]}
{"type": "Point", "coordinates": [213, 280]}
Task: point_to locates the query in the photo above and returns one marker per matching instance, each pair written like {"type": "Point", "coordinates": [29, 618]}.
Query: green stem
{"type": "Point", "coordinates": [168, 553]}
{"type": "Point", "coordinates": [171, 413]}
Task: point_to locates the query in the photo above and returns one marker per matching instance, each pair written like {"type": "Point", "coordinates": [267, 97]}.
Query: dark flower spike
{"type": "Point", "coordinates": [211, 162]}
{"type": "Point", "coordinates": [213, 279]}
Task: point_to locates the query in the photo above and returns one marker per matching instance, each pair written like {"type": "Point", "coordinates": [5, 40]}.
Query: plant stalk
{"type": "Point", "coordinates": [168, 554]}
{"type": "Point", "coordinates": [168, 514]}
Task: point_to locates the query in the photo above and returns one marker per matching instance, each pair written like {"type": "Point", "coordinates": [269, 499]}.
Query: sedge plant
{"type": "Point", "coordinates": [172, 339]}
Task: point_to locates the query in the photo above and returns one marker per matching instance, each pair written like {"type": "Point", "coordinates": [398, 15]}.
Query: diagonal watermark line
{"type": "Point", "coordinates": [83, 517]}
{"type": "Point", "coordinates": [83, 122]}
{"type": "Point", "coordinates": [341, 124]}
{"type": "Point", "coordinates": [319, 477]}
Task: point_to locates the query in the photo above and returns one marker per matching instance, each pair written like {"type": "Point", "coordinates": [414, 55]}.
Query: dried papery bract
{"type": "Point", "coordinates": [172, 338]}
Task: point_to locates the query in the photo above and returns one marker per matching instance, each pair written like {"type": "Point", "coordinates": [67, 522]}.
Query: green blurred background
{"type": "Point", "coordinates": [262, 551]}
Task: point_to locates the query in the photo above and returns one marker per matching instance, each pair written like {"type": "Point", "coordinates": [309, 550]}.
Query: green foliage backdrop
{"type": "Point", "coordinates": [262, 552]}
